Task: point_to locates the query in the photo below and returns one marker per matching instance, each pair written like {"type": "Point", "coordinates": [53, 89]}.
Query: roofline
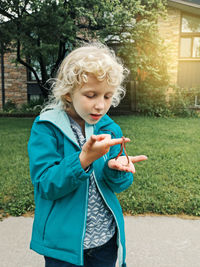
{"type": "Point", "coordinates": [185, 6]}
{"type": "Point", "coordinates": [185, 3]}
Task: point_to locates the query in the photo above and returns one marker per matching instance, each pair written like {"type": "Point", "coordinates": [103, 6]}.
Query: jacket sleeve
{"type": "Point", "coordinates": [53, 175]}
{"type": "Point", "coordinates": [118, 181]}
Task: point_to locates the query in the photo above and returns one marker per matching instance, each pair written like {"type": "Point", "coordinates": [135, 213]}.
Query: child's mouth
{"type": "Point", "coordinates": [95, 116]}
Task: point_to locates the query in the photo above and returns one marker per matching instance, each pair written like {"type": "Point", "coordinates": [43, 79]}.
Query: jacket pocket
{"type": "Point", "coordinates": [45, 224]}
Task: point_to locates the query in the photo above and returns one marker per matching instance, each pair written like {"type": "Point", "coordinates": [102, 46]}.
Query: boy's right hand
{"type": "Point", "coordinates": [96, 147]}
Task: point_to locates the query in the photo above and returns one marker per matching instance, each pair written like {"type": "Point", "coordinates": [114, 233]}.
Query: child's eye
{"type": "Point", "coordinates": [107, 96]}
{"type": "Point", "coordinates": [89, 96]}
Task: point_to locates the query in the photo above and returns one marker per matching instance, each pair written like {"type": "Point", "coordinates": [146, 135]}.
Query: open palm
{"type": "Point", "coordinates": [121, 164]}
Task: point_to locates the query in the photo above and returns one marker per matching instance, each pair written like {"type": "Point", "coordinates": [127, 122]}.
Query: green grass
{"type": "Point", "coordinates": [168, 183]}
{"type": "Point", "coordinates": [16, 191]}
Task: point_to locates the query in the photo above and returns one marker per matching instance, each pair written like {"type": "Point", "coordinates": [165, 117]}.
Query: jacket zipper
{"type": "Point", "coordinates": [84, 223]}
{"type": "Point", "coordinates": [110, 210]}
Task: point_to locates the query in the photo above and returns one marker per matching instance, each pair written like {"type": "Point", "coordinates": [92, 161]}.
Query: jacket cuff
{"type": "Point", "coordinates": [77, 169]}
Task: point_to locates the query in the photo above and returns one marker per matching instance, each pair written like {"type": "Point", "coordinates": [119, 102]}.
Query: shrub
{"type": "Point", "coordinates": [10, 106]}
{"type": "Point", "coordinates": [34, 106]}
{"type": "Point", "coordinates": [182, 101]}
{"type": "Point", "coordinates": [152, 100]}
{"type": "Point", "coordinates": [156, 101]}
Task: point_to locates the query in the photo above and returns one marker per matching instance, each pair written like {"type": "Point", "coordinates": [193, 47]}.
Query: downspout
{"type": "Point", "coordinates": [2, 77]}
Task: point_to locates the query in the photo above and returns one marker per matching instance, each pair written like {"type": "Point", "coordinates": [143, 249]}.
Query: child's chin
{"type": "Point", "coordinates": [92, 122]}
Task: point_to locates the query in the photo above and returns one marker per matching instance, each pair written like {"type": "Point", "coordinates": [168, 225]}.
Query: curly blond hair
{"type": "Point", "coordinates": [93, 58]}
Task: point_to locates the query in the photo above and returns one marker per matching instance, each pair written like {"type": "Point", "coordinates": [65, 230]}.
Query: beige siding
{"type": "Point", "coordinates": [169, 29]}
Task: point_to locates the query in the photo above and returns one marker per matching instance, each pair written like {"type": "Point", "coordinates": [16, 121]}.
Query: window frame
{"type": "Point", "coordinates": [190, 35]}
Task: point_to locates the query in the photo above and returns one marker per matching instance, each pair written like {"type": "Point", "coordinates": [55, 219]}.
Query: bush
{"type": "Point", "coordinates": [152, 100]}
{"type": "Point", "coordinates": [182, 101]}
{"type": "Point", "coordinates": [10, 106]}
{"type": "Point", "coordinates": [156, 101]}
{"type": "Point", "coordinates": [34, 106]}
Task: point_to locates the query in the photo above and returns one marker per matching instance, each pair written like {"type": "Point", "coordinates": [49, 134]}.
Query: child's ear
{"type": "Point", "coordinates": [68, 98]}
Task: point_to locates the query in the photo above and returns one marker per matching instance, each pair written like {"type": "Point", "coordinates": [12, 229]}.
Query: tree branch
{"type": "Point", "coordinates": [42, 87]}
{"type": "Point", "coordinates": [25, 63]}
{"type": "Point", "coordinates": [60, 57]}
{"type": "Point", "coordinates": [42, 65]}
{"type": "Point", "coordinates": [24, 8]}
{"type": "Point", "coordinates": [6, 14]}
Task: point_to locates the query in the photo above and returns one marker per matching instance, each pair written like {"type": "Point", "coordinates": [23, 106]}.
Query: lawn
{"type": "Point", "coordinates": [168, 183]}
{"type": "Point", "coordinates": [16, 191]}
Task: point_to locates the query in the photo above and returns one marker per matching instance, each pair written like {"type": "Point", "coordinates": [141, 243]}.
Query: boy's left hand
{"type": "Point", "coordinates": [121, 163]}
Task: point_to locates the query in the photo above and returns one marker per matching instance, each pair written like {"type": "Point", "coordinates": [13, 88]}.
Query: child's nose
{"type": "Point", "coordinates": [100, 104]}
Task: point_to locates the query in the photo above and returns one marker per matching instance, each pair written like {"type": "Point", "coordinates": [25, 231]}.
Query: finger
{"type": "Point", "coordinates": [137, 158]}
{"type": "Point", "coordinates": [97, 138]}
{"type": "Point", "coordinates": [118, 141]}
{"type": "Point", "coordinates": [92, 140]}
{"type": "Point", "coordinates": [100, 137]}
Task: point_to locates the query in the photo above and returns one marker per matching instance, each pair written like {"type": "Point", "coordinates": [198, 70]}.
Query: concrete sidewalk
{"type": "Point", "coordinates": [152, 241]}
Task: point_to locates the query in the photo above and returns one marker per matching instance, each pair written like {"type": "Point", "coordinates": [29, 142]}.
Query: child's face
{"type": "Point", "coordinates": [91, 101]}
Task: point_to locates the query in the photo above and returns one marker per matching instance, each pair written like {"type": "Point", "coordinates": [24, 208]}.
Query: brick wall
{"type": "Point", "coordinates": [15, 81]}
{"type": "Point", "coordinates": [169, 29]}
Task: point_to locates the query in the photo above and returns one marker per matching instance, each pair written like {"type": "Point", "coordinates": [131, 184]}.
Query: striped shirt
{"type": "Point", "coordinates": [100, 224]}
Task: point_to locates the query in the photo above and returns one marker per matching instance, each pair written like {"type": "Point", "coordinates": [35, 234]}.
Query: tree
{"type": "Point", "coordinates": [42, 32]}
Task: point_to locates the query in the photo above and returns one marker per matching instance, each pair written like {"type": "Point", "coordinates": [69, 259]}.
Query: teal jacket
{"type": "Point", "coordinates": [61, 186]}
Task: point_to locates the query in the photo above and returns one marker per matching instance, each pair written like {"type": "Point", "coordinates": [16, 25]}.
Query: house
{"type": "Point", "coordinates": [180, 30]}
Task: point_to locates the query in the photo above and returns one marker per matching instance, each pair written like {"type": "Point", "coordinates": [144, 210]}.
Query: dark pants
{"type": "Point", "coordinates": [103, 256]}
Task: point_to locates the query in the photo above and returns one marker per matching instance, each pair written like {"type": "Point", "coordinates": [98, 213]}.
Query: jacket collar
{"type": "Point", "coordinates": [60, 119]}
{"type": "Point", "coordinates": [103, 123]}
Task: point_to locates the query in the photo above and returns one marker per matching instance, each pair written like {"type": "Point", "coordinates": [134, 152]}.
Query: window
{"type": "Point", "coordinates": [36, 66]}
{"type": "Point", "coordinates": [185, 47]}
{"type": "Point", "coordinates": [34, 97]}
{"type": "Point", "coordinates": [190, 24]}
{"type": "Point", "coordinates": [196, 47]}
{"type": "Point", "coordinates": [190, 37]}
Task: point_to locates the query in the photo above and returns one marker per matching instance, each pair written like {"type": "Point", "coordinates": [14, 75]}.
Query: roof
{"type": "Point", "coordinates": [190, 6]}
{"type": "Point", "coordinates": [195, 2]}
